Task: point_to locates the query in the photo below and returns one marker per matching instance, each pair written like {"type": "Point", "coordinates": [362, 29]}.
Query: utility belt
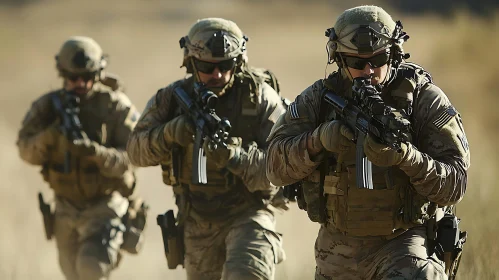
{"type": "Point", "coordinates": [445, 239]}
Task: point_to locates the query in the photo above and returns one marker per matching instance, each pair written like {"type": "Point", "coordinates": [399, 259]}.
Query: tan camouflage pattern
{"type": "Point", "coordinates": [107, 117]}
{"type": "Point", "coordinates": [437, 168]}
{"type": "Point", "coordinates": [224, 220]}
{"type": "Point", "coordinates": [147, 147]}
{"type": "Point", "coordinates": [288, 160]}
{"type": "Point", "coordinates": [349, 22]}
{"type": "Point", "coordinates": [90, 200]}
{"type": "Point", "coordinates": [201, 33]}
{"type": "Point", "coordinates": [88, 240]}
{"type": "Point", "coordinates": [246, 247]}
{"type": "Point", "coordinates": [405, 257]}
{"type": "Point", "coordinates": [92, 59]}
{"type": "Point", "coordinates": [438, 172]}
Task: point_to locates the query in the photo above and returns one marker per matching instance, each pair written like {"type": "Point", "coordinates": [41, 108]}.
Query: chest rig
{"type": "Point", "coordinates": [83, 183]}
{"type": "Point", "coordinates": [392, 205]}
{"type": "Point", "coordinates": [224, 194]}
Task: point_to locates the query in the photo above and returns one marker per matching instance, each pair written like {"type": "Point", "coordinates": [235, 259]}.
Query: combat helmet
{"type": "Point", "coordinates": [366, 30]}
{"type": "Point", "coordinates": [80, 55]}
{"type": "Point", "coordinates": [213, 39]}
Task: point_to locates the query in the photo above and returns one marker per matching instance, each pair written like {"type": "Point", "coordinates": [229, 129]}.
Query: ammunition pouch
{"type": "Point", "coordinates": [447, 243]}
{"type": "Point", "coordinates": [135, 223]}
{"type": "Point", "coordinates": [48, 217]}
{"type": "Point", "coordinates": [173, 239]}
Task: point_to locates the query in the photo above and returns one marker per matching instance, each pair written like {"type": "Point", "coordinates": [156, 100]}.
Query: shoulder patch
{"type": "Point", "coordinates": [464, 141]}
{"type": "Point", "coordinates": [293, 111]}
{"type": "Point", "coordinates": [444, 117]}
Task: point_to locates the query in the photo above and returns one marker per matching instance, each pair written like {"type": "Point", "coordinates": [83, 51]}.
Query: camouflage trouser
{"type": "Point", "coordinates": [405, 257]}
{"type": "Point", "coordinates": [246, 247]}
{"type": "Point", "coordinates": [88, 240]}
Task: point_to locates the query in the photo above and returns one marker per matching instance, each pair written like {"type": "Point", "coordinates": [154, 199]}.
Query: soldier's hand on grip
{"type": "Point", "coordinates": [222, 155]}
{"type": "Point", "coordinates": [336, 137]}
{"type": "Point", "coordinates": [180, 130]}
{"type": "Point", "coordinates": [84, 147]}
{"type": "Point", "coordinates": [383, 155]}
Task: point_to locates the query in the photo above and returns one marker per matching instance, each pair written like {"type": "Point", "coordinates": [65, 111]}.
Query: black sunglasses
{"type": "Point", "coordinates": [84, 76]}
{"type": "Point", "coordinates": [360, 63]}
{"type": "Point", "coordinates": [209, 67]}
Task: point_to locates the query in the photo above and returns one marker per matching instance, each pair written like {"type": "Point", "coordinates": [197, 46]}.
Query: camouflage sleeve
{"type": "Point", "coordinates": [438, 170]}
{"type": "Point", "coordinates": [146, 145]}
{"type": "Point", "coordinates": [288, 160]}
{"type": "Point", "coordinates": [114, 161]}
{"type": "Point", "coordinates": [32, 142]}
{"type": "Point", "coordinates": [249, 164]}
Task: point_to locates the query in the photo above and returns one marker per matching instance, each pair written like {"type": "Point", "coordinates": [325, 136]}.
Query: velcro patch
{"type": "Point", "coordinates": [444, 117]}
{"type": "Point", "coordinates": [464, 142]}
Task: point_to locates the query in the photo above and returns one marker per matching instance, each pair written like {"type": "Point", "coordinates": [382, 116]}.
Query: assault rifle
{"type": "Point", "coordinates": [366, 113]}
{"type": "Point", "coordinates": [68, 111]}
{"type": "Point", "coordinates": [201, 110]}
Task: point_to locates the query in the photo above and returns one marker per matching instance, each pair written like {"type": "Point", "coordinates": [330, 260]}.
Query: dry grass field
{"type": "Point", "coordinates": [141, 38]}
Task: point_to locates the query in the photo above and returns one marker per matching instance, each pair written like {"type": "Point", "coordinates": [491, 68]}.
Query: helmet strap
{"type": "Point", "coordinates": [342, 66]}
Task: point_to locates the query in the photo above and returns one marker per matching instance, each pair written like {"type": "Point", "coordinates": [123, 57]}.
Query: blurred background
{"type": "Point", "coordinates": [457, 41]}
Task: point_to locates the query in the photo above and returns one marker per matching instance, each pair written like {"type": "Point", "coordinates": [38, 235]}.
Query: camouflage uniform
{"type": "Point", "coordinates": [90, 198]}
{"type": "Point", "coordinates": [379, 233]}
{"type": "Point", "coordinates": [228, 224]}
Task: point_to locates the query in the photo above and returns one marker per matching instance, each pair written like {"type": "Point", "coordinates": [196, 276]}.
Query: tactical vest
{"type": "Point", "coordinates": [224, 194]}
{"type": "Point", "coordinates": [393, 205]}
{"type": "Point", "coordinates": [84, 183]}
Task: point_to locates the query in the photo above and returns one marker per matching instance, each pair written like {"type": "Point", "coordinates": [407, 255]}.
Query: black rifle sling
{"type": "Point", "coordinates": [323, 167]}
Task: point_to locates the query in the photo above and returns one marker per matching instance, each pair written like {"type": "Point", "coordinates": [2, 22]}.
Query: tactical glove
{"type": "Point", "coordinates": [84, 147]}
{"type": "Point", "coordinates": [384, 156]}
{"type": "Point", "coordinates": [221, 156]}
{"type": "Point", "coordinates": [334, 136]}
{"type": "Point", "coordinates": [180, 130]}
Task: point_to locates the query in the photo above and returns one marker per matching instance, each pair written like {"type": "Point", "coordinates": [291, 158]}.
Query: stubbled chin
{"type": "Point", "coordinates": [81, 92]}
{"type": "Point", "coordinates": [215, 85]}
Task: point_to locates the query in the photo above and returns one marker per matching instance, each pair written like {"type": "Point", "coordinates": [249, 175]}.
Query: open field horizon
{"type": "Point", "coordinates": [141, 38]}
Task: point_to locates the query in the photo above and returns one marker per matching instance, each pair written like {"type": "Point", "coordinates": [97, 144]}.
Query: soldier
{"type": "Point", "coordinates": [85, 163]}
{"type": "Point", "coordinates": [378, 233]}
{"type": "Point", "coordinates": [228, 223]}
